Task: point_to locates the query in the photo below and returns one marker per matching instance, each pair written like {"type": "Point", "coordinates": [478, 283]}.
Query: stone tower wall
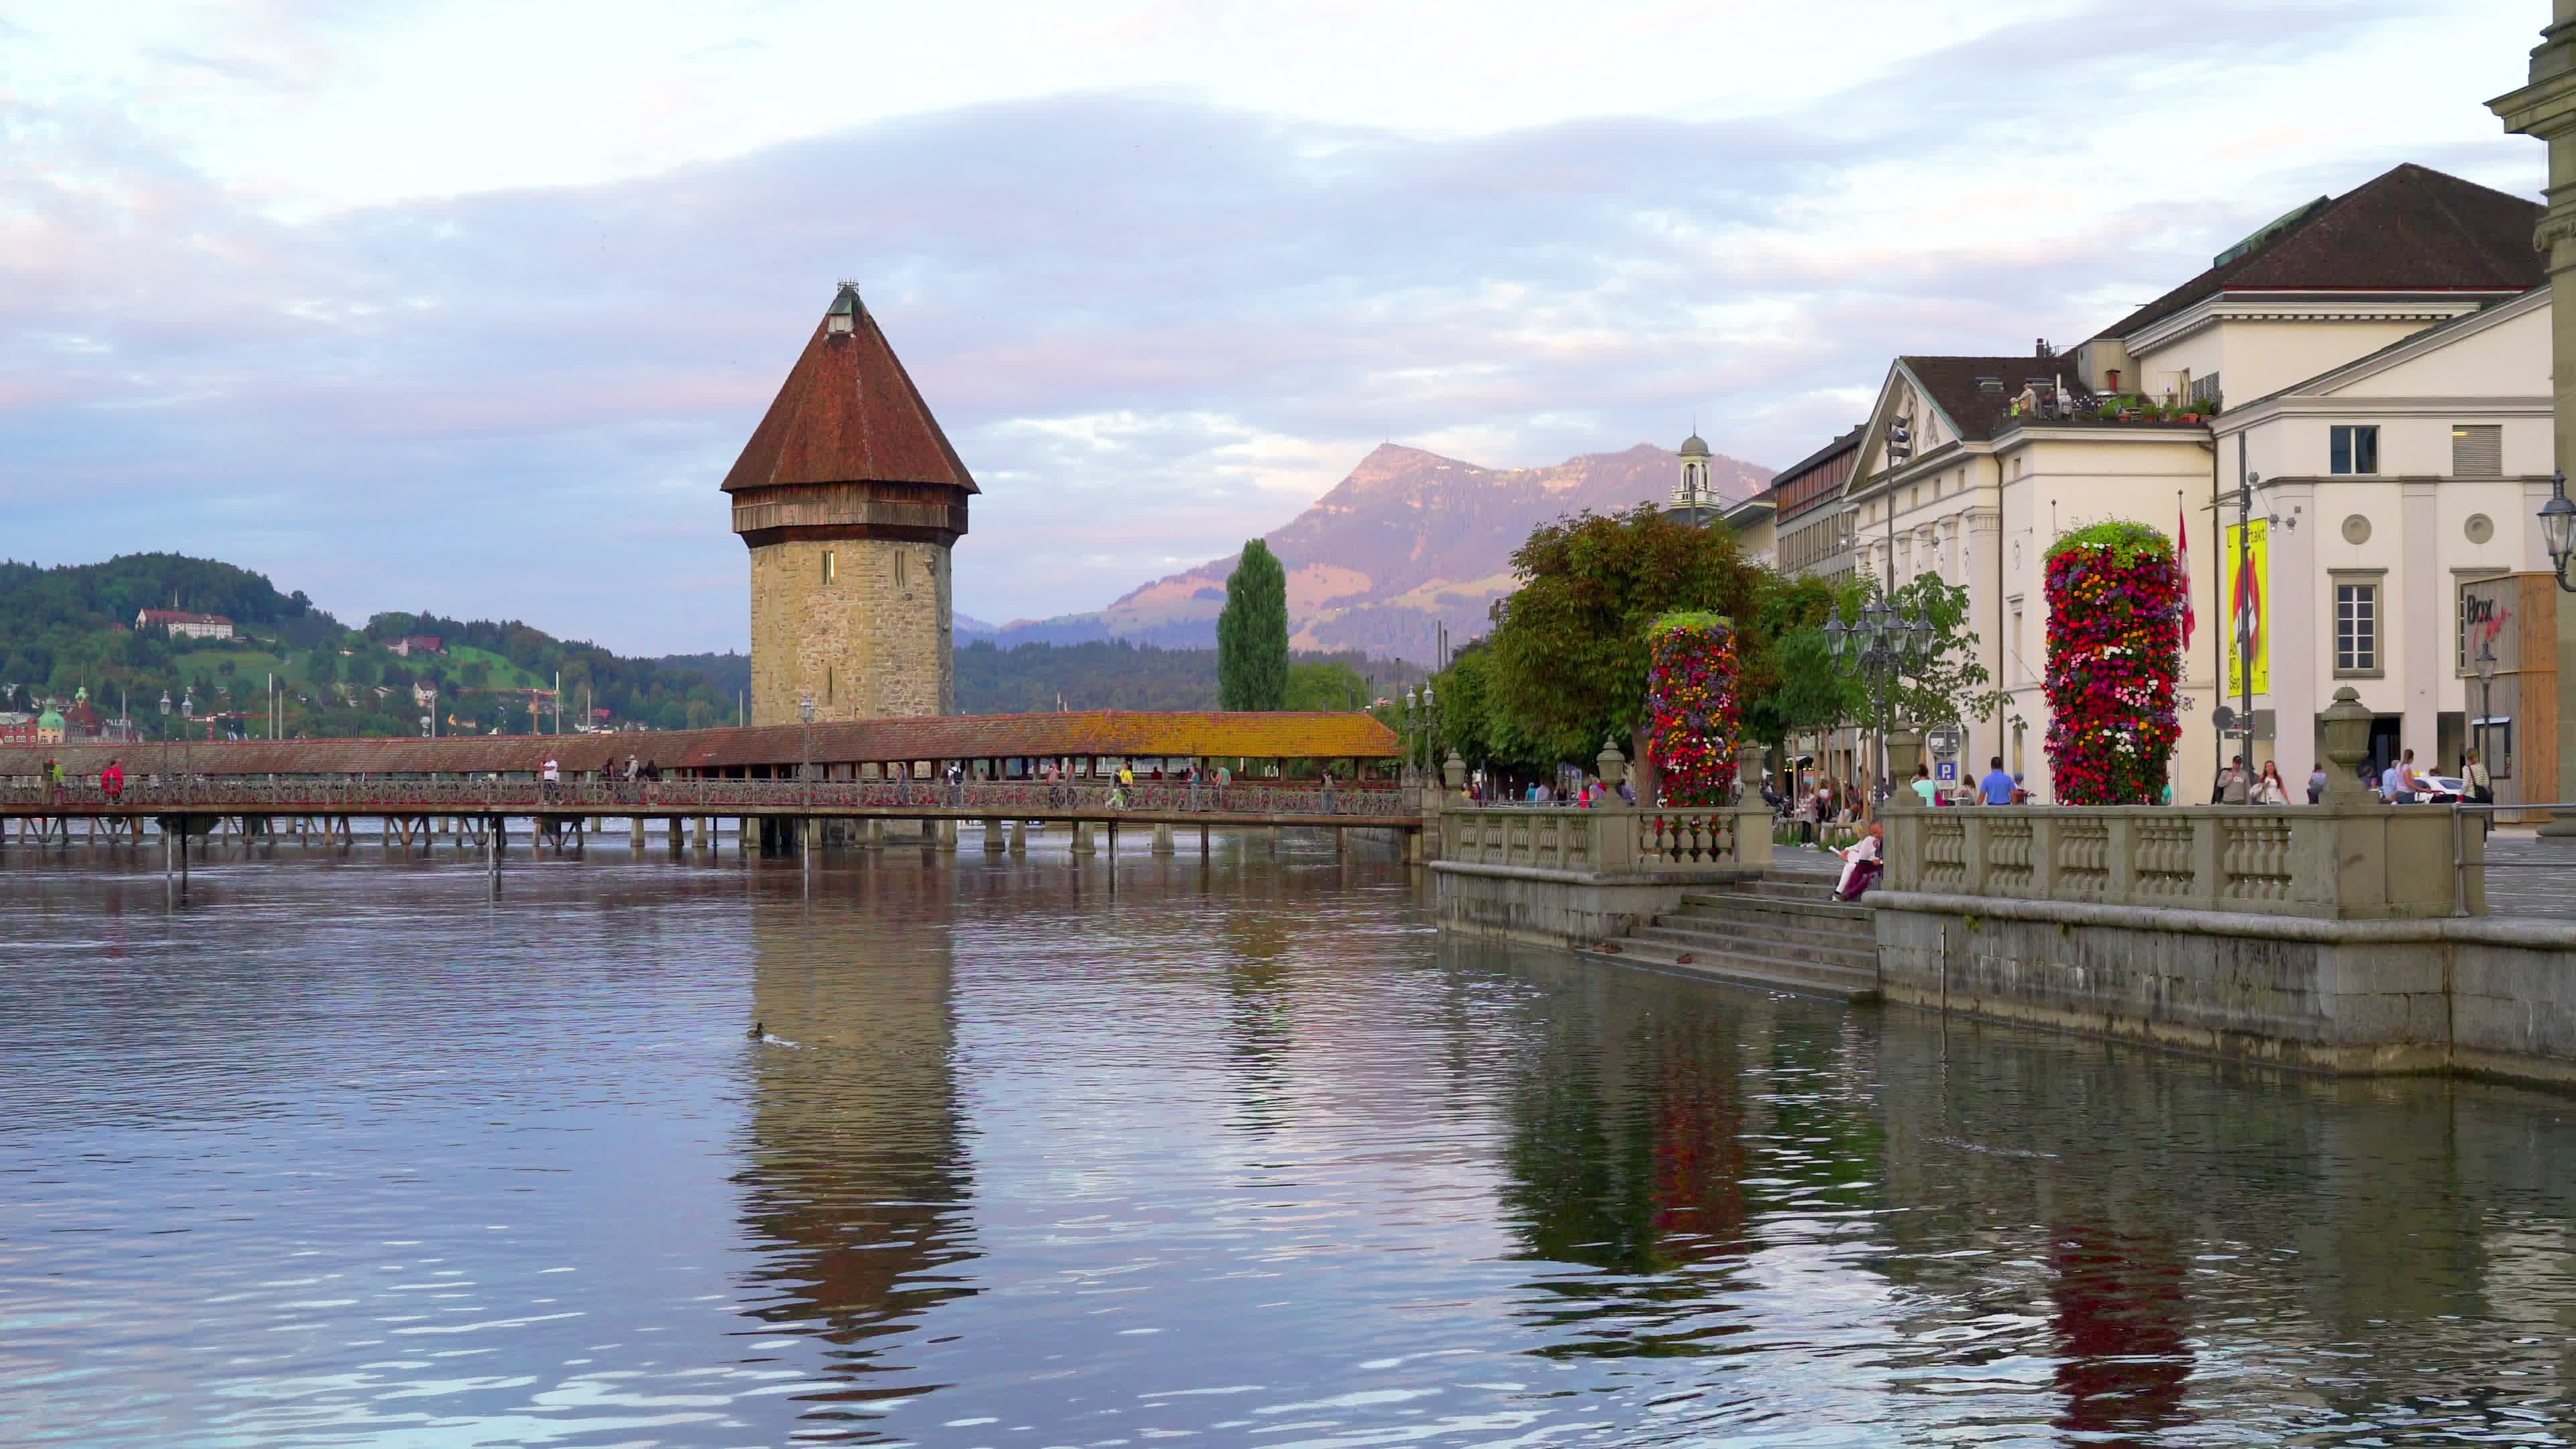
{"type": "Point", "coordinates": [872, 642]}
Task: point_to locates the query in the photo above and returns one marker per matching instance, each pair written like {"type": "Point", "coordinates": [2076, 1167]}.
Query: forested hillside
{"type": "Point", "coordinates": [72, 627]}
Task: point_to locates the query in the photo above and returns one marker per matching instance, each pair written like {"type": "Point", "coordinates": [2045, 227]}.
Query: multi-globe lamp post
{"type": "Point", "coordinates": [1417, 724]}
{"type": "Point", "coordinates": [1885, 646]}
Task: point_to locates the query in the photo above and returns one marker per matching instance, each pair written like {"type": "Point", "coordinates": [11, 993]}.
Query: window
{"type": "Point", "coordinates": [2205, 394]}
{"type": "Point", "coordinates": [831, 566]}
{"type": "Point", "coordinates": [2353, 449]}
{"type": "Point", "coordinates": [2356, 628]}
{"type": "Point", "coordinates": [902, 576]}
{"type": "Point", "coordinates": [827, 675]}
{"type": "Point", "coordinates": [2477, 450]}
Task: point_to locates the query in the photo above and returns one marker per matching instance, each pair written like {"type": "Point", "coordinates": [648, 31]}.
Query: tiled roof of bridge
{"type": "Point", "coordinates": [1207, 734]}
{"type": "Point", "coordinates": [848, 413]}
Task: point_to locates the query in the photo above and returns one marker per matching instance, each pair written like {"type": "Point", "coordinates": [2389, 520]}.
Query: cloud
{"type": "Point", "coordinates": [1153, 325]}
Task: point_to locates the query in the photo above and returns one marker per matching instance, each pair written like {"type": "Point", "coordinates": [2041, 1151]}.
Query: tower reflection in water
{"type": "Point", "coordinates": [856, 1190]}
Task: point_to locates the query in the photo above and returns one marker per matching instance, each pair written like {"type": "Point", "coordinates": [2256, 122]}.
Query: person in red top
{"type": "Point", "coordinates": [111, 781]}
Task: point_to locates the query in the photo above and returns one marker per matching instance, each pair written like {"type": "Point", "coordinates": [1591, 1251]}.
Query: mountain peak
{"type": "Point", "coordinates": [1409, 541]}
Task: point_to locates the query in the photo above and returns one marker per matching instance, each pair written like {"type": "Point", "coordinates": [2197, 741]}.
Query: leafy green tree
{"type": "Point", "coordinates": [1252, 633]}
{"type": "Point", "coordinates": [1569, 649]}
{"type": "Point", "coordinates": [1329, 684]}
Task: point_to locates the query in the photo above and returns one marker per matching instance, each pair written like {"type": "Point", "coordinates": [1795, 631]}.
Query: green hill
{"type": "Point", "coordinates": [72, 627]}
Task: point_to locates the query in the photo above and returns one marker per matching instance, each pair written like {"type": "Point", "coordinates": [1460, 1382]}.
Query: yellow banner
{"type": "Point", "coordinates": [2246, 567]}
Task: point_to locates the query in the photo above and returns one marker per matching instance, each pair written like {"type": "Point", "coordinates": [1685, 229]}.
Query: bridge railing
{"type": "Point", "coordinates": [307, 795]}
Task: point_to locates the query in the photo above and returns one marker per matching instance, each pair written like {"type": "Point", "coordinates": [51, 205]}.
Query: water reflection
{"type": "Point", "coordinates": [358, 1154]}
{"type": "Point", "coordinates": [855, 1185]}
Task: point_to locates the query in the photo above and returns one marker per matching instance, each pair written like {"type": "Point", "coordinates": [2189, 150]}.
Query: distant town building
{"type": "Point", "coordinates": [423, 691]}
{"type": "Point", "coordinates": [49, 726]}
{"type": "Point", "coordinates": [419, 644]}
{"type": "Point", "coordinates": [1695, 499]}
{"type": "Point", "coordinates": [184, 625]}
{"type": "Point", "coordinates": [17, 729]}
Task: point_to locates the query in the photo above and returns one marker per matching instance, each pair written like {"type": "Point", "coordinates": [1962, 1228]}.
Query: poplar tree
{"type": "Point", "coordinates": [1252, 633]}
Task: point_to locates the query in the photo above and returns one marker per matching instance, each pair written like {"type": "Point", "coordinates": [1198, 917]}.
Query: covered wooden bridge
{"type": "Point", "coordinates": [789, 785]}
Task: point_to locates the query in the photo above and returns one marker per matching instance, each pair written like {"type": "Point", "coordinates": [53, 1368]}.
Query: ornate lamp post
{"type": "Point", "coordinates": [2486, 667]}
{"type": "Point", "coordinates": [2558, 528]}
{"type": "Point", "coordinates": [1885, 646]}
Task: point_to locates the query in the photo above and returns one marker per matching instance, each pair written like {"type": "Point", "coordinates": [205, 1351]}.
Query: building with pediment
{"type": "Point", "coordinates": [2367, 357]}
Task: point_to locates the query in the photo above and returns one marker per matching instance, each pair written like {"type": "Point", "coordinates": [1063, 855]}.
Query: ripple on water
{"type": "Point", "coordinates": [353, 1153]}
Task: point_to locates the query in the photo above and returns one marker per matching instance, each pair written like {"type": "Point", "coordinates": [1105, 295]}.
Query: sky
{"type": "Point", "coordinates": [467, 307]}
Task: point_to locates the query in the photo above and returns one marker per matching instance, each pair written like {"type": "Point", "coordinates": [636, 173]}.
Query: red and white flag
{"type": "Point", "coordinates": [2182, 564]}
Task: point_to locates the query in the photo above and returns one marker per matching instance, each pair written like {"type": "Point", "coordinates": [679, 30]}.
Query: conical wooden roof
{"type": "Point", "coordinates": [848, 413]}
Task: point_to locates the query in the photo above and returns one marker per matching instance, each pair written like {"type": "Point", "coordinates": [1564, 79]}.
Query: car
{"type": "Point", "coordinates": [2447, 790]}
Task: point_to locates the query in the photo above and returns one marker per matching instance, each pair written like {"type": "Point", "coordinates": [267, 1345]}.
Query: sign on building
{"type": "Point", "coordinates": [2247, 568]}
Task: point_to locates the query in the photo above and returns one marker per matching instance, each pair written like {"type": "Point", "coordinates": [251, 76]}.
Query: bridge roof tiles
{"type": "Point", "coordinates": [1205, 734]}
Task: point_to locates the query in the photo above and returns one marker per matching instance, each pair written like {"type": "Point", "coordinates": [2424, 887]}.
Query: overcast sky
{"type": "Point", "coordinates": [468, 306]}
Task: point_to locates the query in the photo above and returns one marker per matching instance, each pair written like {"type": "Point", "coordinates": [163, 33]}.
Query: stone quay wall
{"type": "Point", "coordinates": [1562, 876]}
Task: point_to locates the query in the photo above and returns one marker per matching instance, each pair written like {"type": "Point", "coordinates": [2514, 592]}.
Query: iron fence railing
{"type": "Point", "coordinates": [235, 795]}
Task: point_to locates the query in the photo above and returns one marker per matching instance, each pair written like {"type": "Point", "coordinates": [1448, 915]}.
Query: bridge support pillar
{"type": "Point", "coordinates": [635, 834]}
{"type": "Point", "coordinates": [675, 835]}
{"type": "Point", "coordinates": [946, 839]}
{"type": "Point", "coordinates": [994, 844]}
{"type": "Point", "coordinates": [872, 833]}
{"type": "Point", "coordinates": [1019, 837]}
{"type": "Point", "coordinates": [1413, 847]}
{"type": "Point", "coordinates": [1203, 844]}
{"type": "Point", "coordinates": [1082, 844]}
{"type": "Point", "coordinates": [1163, 838]}
{"type": "Point", "coordinates": [698, 834]}
{"type": "Point", "coordinates": [1341, 843]}
{"type": "Point", "coordinates": [1271, 833]}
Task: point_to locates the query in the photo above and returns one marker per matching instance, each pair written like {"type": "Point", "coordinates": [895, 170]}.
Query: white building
{"type": "Point", "coordinates": [2314, 318]}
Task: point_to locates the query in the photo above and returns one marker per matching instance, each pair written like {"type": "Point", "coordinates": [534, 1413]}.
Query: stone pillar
{"type": "Point", "coordinates": [1163, 838]}
{"type": "Point", "coordinates": [635, 840]}
{"type": "Point", "coordinates": [946, 836]}
{"type": "Point", "coordinates": [994, 844]}
{"type": "Point", "coordinates": [1082, 838]}
{"type": "Point", "coordinates": [675, 832]}
{"type": "Point", "coordinates": [697, 832]}
{"type": "Point", "coordinates": [2546, 109]}
{"type": "Point", "coordinates": [1019, 837]}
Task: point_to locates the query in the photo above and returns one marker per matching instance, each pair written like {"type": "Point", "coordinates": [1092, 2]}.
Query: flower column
{"type": "Point", "coordinates": [2114, 642]}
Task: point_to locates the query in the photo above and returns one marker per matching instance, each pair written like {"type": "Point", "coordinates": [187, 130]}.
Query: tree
{"type": "Point", "coordinates": [1326, 684]}
{"type": "Point", "coordinates": [1569, 649]}
{"type": "Point", "coordinates": [1252, 633]}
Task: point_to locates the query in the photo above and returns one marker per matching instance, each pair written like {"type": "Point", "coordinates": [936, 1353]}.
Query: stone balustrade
{"type": "Point", "coordinates": [2337, 861]}
{"type": "Point", "coordinates": [1607, 839]}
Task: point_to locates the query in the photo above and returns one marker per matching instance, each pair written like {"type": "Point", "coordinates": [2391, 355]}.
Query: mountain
{"type": "Point", "coordinates": [1408, 541]}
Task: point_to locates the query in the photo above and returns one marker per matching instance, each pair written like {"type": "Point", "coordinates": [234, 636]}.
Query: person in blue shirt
{"type": "Point", "coordinates": [1997, 787]}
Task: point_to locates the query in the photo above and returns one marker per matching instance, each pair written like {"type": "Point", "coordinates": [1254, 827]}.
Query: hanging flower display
{"type": "Point", "coordinates": [2115, 596]}
{"type": "Point", "coordinates": [1690, 702]}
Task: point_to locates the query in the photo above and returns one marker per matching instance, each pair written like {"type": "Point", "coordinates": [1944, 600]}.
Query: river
{"type": "Point", "coordinates": [353, 1153]}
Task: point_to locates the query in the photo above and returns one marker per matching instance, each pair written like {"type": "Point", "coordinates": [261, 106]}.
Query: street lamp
{"type": "Point", "coordinates": [1428, 714]}
{"type": "Point", "coordinates": [2558, 528]}
{"type": "Point", "coordinates": [2486, 667]}
{"type": "Point", "coordinates": [1886, 646]}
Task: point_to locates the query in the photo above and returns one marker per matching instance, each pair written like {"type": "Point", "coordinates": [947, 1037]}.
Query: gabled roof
{"type": "Point", "coordinates": [1952, 385]}
{"type": "Point", "coordinates": [2411, 229]}
{"type": "Point", "coordinates": [848, 413]}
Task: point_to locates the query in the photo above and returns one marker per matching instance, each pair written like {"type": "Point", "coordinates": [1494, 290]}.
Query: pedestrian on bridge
{"type": "Point", "coordinates": [111, 781]}
{"type": "Point", "coordinates": [550, 775]}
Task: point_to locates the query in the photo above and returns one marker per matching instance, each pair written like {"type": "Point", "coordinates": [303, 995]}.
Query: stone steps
{"type": "Point", "coordinates": [1772, 933]}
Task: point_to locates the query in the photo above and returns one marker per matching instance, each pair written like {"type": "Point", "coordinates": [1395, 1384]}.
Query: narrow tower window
{"type": "Point", "coordinates": [902, 578]}
{"type": "Point", "coordinates": [827, 674]}
{"type": "Point", "coordinates": [831, 566]}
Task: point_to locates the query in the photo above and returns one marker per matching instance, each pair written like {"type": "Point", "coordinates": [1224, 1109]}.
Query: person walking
{"type": "Point", "coordinates": [2317, 779]}
{"type": "Point", "coordinates": [2233, 785]}
{"type": "Point", "coordinates": [1924, 788]}
{"type": "Point", "coordinates": [550, 778]}
{"type": "Point", "coordinates": [2269, 790]}
{"type": "Point", "coordinates": [2479, 786]}
{"type": "Point", "coordinates": [1997, 787]}
{"type": "Point", "coordinates": [111, 781]}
